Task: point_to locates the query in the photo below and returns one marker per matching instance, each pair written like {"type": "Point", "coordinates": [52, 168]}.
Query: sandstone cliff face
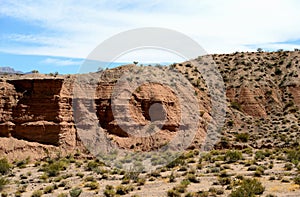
{"type": "Point", "coordinates": [263, 99]}
{"type": "Point", "coordinates": [149, 103]}
{"type": "Point", "coordinates": [36, 110]}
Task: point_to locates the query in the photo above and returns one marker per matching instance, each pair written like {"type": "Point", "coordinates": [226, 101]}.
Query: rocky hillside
{"type": "Point", "coordinates": [263, 99]}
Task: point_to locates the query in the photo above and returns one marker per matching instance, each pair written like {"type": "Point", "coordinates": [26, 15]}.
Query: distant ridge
{"type": "Point", "coordinates": [9, 70]}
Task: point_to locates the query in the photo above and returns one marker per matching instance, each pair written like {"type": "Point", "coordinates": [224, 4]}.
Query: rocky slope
{"type": "Point", "coordinates": [263, 100]}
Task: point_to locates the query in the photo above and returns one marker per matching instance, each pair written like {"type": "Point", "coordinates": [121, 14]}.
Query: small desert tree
{"type": "Point", "coordinates": [259, 50]}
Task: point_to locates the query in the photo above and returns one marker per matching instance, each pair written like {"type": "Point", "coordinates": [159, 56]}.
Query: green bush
{"type": "Point", "coordinates": [242, 137]}
{"type": "Point", "coordinates": [92, 185]}
{"type": "Point", "coordinates": [49, 189]}
{"type": "Point", "coordinates": [224, 180]}
{"type": "Point", "coordinates": [3, 182]}
{"type": "Point", "coordinates": [260, 155]}
{"type": "Point", "coordinates": [278, 71]}
{"type": "Point", "coordinates": [293, 155]}
{"type": "Point", "coordinates": [92, 166]}
{"type": "Point", "coordinates": [192, 178]}
{"type": "Point", "coordinates": [75, 192]}
{"type": "Point", "coordinates": [249, 188]}
{"type": "Point", "coordinates": [235, 105]}
{"type": "Point", "coordinates": [233, 156]}
{"type": "Point", "coordinates": [22, 163]}
{"type": "Point", "coordinates": [62, 195]}
{"type": "Point", "coordinates": [122, 190]}
{"type": "Point", "coordinates": [172, 178]}
{"type": "Point", "coordinates": [173, 193]}
{"type": "Point", "coordinates": [37, 193]}
{"type": "Point", "coordinates": [4, 166]}
{"type": "Point", "coordinates": [288, 166]}
{"type": "Point", "coordinates": [53, 169]}
{"type": "Point", "coordinates": [141, 181]}
{"type": "Point", "coordinates": [297, 180]}
{"type": "Point", "coordinates": [109, 191]}
{"type": "Point", "coordinates": [178, 161]}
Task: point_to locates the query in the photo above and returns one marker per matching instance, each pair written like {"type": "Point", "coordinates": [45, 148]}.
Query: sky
{"type": "Point", "coordinates": [57, 36]}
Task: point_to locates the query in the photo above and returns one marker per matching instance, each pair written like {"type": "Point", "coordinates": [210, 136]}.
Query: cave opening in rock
{"type": "Point", "coordinates": [155, 112]}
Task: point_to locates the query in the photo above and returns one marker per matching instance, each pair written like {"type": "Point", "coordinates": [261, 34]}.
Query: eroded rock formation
{"type": "Point", "coordinates": [262, 89]}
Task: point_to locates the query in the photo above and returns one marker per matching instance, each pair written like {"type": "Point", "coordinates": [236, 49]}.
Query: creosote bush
{"type": "Point", "coordinates": [4, 166]}
{"type": "Point", "coordinates": [75, 192]}
{"type": "Point", "coordinates": [248, 187]}
{"type": "Point", "coordinates": [3, 182]}
{"type": "Point", "coordinates": [37, 193]}
{"type": "Point", "coordinates": [53, 169]}
{"type": "Point", "coordinates": [242, 137]}
{"type": "Point", "coordinates": [233, 156]}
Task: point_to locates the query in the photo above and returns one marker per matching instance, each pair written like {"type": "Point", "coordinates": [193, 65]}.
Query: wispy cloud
{"type": "Point", "coordinates": [74, 29]}
{"type": "Point", "coordinates": [61, 62]}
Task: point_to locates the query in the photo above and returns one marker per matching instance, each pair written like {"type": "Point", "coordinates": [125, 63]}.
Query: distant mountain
{"type": "Point", "coordinates": [9, 70]}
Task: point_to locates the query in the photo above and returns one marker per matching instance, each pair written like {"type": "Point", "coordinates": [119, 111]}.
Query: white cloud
{"type": "Point", "coordinates": [218, 25]}
{"type": "Point", "coordinates": [60, 62]}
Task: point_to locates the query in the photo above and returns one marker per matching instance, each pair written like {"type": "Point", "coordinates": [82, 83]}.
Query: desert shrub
{"type": "Point", "coordinates": [260, 155]}
{"type": "Point", "coordinates": [22, 188]}
{"type": "Point", "coordinates": [249, 187]}
{"type": "Point", "coordinates": [4, 166]}
{"type": "Point", "coordinates": [192, 178]}
{"type": "Point", "coordinates": [297, 180]}
{"type": "Point", "coordinates": [22, 163]}
{"type": "Point", "coordinates": [183, 168]}
{"type": "Point", "coordinates": [125, 181]}
{"type": "Point", "coordinates": [178, 161]}
{"type": "Point", "coordinates": [173, 193]}
{"type": "Point", "coordinates": [18, 194]}
{"type": "Point", "coordinates": [278, 71]}
{"type": "Point", "coordinates": [62, 195]}
{"type": "Point", "coordinates": [224, 180]}
{"type": "Point", "coordinates": [135, 175]}
{"type": "Point", "coordinates": [224, 173]}
{"type": "Point", "coordinates": [75, 192]}
{"type": "Point", "coordinates": [92, 185]}
{"type": "Point", "coordinates": [53, 169]}
{"type": "Point", "coordinates": [92, 165]}
{"type": "Point", "coordinates": [293, 155]}
{"type": "Point", "coordinates": [3, 182]}
{"type": "Point", "coordinates": [259, 171]}
{"type": "Point", "coordinates": [109, 191]}
{"type": "Point", "coordinates": [172, 178]}
{"type": "Point", "coordinates": [252, 168]}
{"type": "Point", "coordinates": [289, 104]}
{"type": "Point", "coordinates": [271, 195]}
{"type": "Point", "coordinates": [235, 105]}
{"type": "Point", "coordinates": [62, 184]}
{"type": "Point", "coordinates": [218, 191]}
{"type": "Point", "coordinates": [141, 181]}
{"type": "Point", "coordinates": [233, 156]}
{"type": "Point", "coordinates": [230, 123]}
{"type": "Point", "coordinates": [122, 190]}
{"type": "Point", "coordinates": [242, 137]}
{"type": "Point", "coordinates": [49, 189]}
{"type": "Point", "coordinates": [181, 188]}
{"type": "Point", "coordinates": [89, 178]}
{"type": "Point", "coordinates": [81, 175]}
{"type": "Point", "coordinates": [37, 193]}
{"type": "Point", "coordinates": [288, 166]}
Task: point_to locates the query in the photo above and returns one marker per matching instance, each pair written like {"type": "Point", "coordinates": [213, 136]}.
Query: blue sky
{"type": "Point", "coordinates": [52, 36]}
